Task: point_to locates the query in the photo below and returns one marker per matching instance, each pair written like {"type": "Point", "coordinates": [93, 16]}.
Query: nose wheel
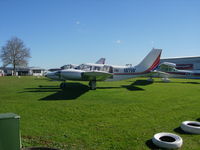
{"type": "Point", "coordinates": [92, 85]}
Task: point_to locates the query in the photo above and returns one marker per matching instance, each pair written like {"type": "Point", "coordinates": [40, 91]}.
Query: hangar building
{"type": "Point", "coordinates": [184, 63]}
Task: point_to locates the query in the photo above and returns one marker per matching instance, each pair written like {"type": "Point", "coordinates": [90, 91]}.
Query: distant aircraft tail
{"type": "Point", "coordinates": [150, 62]}
{"type": "Point", "coordinates": [101, 61]}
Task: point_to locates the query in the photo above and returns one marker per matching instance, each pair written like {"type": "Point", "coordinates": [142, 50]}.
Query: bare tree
{"type": "Point", "coordinates": [15, 53]}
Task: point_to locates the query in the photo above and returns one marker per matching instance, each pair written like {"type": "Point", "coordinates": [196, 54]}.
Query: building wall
{"type": "Point", "coordinates": [36, 72]}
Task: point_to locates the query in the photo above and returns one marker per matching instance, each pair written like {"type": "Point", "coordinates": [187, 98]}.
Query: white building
{"type": "Point", "coordinates": [184, 63]}
{"type": "Point", "coordinates": [23, 71]}
{"type": "Point", "coordinates": [36, 71]}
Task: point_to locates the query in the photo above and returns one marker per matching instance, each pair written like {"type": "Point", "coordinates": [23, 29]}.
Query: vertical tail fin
{"type": "Point", "coordinates": [101, 61]}
{"type": "Point", "coordinates": [150, 62]}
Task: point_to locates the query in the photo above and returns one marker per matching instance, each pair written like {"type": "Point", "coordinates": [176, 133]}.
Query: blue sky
{"type": "Point", "coordinates": [60, 32]}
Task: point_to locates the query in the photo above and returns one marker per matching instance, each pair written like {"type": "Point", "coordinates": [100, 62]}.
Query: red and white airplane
{"type": "Point", "coordinates": [103, 72]}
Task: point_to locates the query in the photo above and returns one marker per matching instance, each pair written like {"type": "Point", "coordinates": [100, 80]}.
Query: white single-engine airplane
{"type": "Point", "coordinates": [102, 72]}
{"type": "Point", "coordinates": [172, 72]}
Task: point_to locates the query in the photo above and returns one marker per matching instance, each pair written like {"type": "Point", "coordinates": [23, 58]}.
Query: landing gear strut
{"type": "Point", "coordinates": [62, 85]}
{"type": "Point", "coordinates": [92, 85]}
{"type": "Point", "coordinates": [150, 79]}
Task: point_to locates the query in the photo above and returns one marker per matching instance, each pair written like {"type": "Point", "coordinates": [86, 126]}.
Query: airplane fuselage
{"type": "Point", "coordinates": [118, 73]}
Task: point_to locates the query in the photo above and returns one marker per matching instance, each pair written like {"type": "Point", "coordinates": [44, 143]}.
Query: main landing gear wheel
{"type": "Point", "coordinates": [92, 85]}
{"type": "Point", "coordinates": [62, 85]}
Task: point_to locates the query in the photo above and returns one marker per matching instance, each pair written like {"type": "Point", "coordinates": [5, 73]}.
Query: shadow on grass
{"type": "Point", "coordinates": [142, 82]}
{"type": "Point", "coordinates": [180, 131]}
{"type": "Point", "coordinates": [70, 92]}
{"type": "Point", "coordinates": [198, 119]}
{"type": "Point", "coordinates": [150, 145]}
{"type": "Point", "coordinates": [130, 87]}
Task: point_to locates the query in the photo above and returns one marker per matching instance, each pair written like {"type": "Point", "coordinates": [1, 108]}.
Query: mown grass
{"type": "Point", "coordinates": [118, 115]}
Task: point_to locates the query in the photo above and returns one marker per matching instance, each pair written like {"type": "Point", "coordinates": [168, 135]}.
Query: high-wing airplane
{"type": "Point", "coordinates": [172, 72]}
{"type": "Point", "coordinates": [102, 72]}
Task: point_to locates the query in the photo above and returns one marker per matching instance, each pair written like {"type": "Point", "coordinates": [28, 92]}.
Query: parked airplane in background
{"type": "Point", "coordinates": [172, 72]}
{"type": "Point", "coordinates": [101, 61]}
{"type": "Point", "coordinates": [101, 72]}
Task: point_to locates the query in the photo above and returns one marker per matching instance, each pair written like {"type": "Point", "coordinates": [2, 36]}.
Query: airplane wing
{"type": "Point", "coordinates": [96, 75]}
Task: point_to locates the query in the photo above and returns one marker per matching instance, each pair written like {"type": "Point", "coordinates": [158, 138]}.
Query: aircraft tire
{"type": "Point", "coordinates": [191, 127]}
{"type": "Point", "coordinates": [167, 140]}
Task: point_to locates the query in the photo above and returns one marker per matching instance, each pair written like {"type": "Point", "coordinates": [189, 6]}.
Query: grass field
{"type": "Point", "coordinates": [118, 115]}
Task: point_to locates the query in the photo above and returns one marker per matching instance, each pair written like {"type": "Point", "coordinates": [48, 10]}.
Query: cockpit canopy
{"type": "Point", "coordinates": [167, 67]}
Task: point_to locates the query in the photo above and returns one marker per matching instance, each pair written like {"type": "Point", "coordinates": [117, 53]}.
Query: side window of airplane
{"type": "Point", "coordinates": [111, 70]}
{"type": "Point", "coordinates": [97, 68]}
{"type": "Point", "coordinates": [106, 68]}
{"type": "Point", "coordinates": [116, 70]}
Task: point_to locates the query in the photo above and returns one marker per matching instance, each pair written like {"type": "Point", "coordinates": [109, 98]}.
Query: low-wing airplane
{"type": "Point", "coordinates": [53, 76]}
{"type": "Point", "coordinates": [172, 72]}
{"type": "Point", "coordinates": [102, 72]}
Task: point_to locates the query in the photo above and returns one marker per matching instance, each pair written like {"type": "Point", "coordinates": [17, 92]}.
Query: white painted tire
{"type": "Point", "coordinates": [191, 127]}
{"type": "Point", "coordinates": [173, 141]}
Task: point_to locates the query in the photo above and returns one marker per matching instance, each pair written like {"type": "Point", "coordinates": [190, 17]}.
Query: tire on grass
{"type": "Point", "coordinates": [167, 140]}
{"type": "Point", "coordinates": [191, 127]}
